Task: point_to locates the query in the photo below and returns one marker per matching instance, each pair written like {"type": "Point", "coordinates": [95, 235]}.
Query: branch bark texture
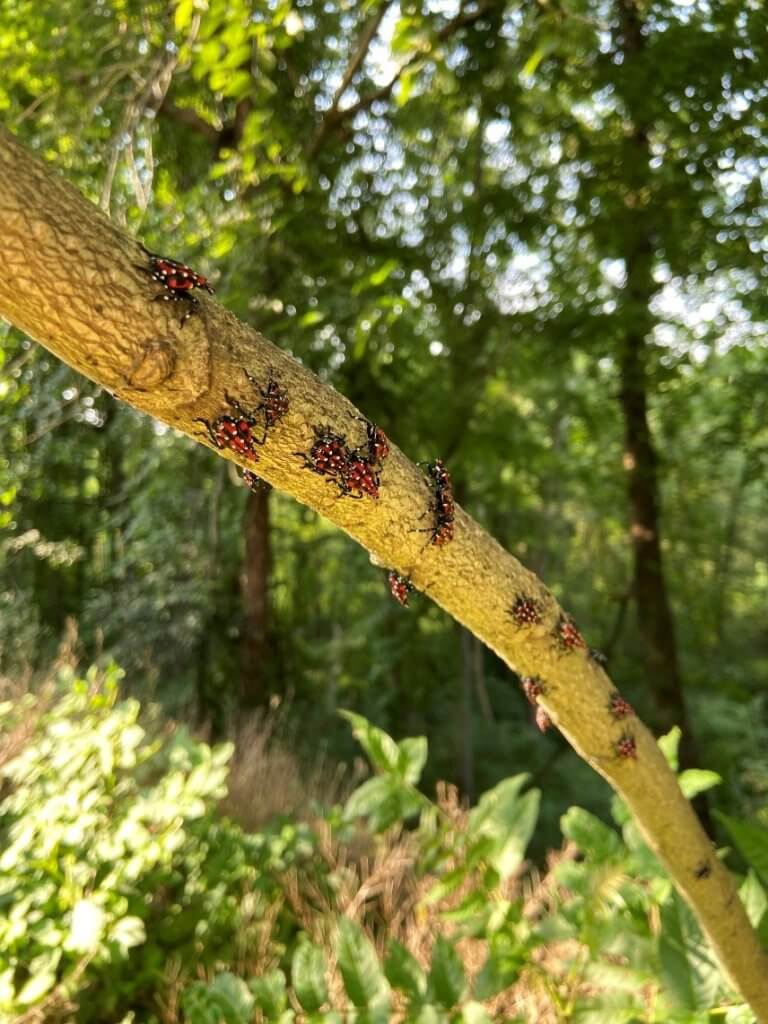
{"type": "Point", "coordinates": [71, 281]}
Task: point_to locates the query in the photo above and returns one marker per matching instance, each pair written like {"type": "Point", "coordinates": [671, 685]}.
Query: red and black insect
{"type": "Point", "coordinates": [274, 401]}
{"type": "Point", "coordinates": [377, 443]}
{"type": "Point", "coordinates": [178, 280]}
{"type": "Point", "coordinates": [358, 478]}
{"type": "Point", "coordinates": [441, 532]}
{"type": "Point", "coordinates": [400, 587]}
{"type": "Point", "coordinates": [329, 454]}
{"type": "Point", "coordinates": [255, 483]}
{"type": "Point", "coordinates": [619, 707]}
{"type": "Point", "coordinates": [234, 432]}
{"type": "Point", "coordinates": [567, 635]}
{"type": "Point", "coordinates": [526, 611]}
{"type": "Point", "coordinates": [626, 746]}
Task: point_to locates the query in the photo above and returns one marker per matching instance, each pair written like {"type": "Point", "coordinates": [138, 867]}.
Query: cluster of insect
{"type": "Point", "coordinates": [356, 472]}
{"type": "Point", "coordinates": [619, 708]}
{"type": "Point", "coordinates": [243, 431]}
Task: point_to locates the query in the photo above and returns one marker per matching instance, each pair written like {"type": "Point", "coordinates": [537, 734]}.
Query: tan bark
{"type": "Point", "coordinates": [69, 281]}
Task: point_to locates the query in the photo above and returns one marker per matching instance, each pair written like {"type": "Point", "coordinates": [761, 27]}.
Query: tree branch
{"type": "Point", "coordinates": [70, 281]}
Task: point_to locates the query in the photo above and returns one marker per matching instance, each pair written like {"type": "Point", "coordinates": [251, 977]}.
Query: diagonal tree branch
{"type": "Point", "coordinates": [69, 280]}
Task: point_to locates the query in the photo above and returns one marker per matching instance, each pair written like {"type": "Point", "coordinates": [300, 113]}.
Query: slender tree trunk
{"type": "Point", "coordinates": [649, 587]}
{"type": "Point", "coordinates": [254, 677]}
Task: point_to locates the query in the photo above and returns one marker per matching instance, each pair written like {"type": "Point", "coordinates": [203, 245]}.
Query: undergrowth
{"type": "Point", "coordinates": [143, 881]}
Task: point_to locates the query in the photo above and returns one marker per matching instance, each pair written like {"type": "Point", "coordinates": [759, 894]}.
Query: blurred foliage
{"type": "Point", "coordinates": [429, 204]}
{"type": "Point", "coordinates": [127, 896]}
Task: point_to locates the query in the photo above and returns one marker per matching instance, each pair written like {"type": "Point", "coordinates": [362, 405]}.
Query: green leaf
{"type": "Point", "coordinates": [404, 972]}
{"type": "Point", "coordinates": [754, 898]}
{"type": "Point", "coordinates": [384, 801]}
{"type": "Point", "coordinates": [269, 991]}
{"type": "Point", "coordinates": [507, 820]}
{"type": "Point", "coordinates": [697, 780]}
{"type": "Point", "coordinates": [413, 757]}
{"type": "Point", "coordinates": [591, 835]}
{"type": "Point", "coordinates": [668, 744]}
{"type": "Point", "coordinates": [364, 980]}
{"type": "Point", "coordinates": [39, 985]}
{"type": "Point", "coordinates": [128, 932]}
{"type": "Point", "coordinates": [446, 975]}
{"type": "Point", "coordinates": [308, 976]}
{"type": "Point", "coordinates": [382, 750]}
{"type": "Point", "coordinates": [688, 967]}
{"type": "Point", "coordinates": [752, 841]}
{"type": "Point", "coordinates": [86, 927]}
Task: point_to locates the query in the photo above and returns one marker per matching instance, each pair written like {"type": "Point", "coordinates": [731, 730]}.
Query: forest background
{"type": "Point", "coordinates": [525, 238]}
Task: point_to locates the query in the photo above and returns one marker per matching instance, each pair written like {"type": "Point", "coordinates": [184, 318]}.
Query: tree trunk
{"type": "Point", "coordinates": [649, 587]}
{"type": "Point", "coordinates": [253, 585]}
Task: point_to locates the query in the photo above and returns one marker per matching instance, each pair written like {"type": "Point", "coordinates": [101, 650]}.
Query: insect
{"type": "Point", "coordinates": [441, 532]}
{"type": "Point", "coordinates": [274, 401]}
{"type": "Point", "coordinates": [543, 721]}
{"type": "Point", "coordinates": [400, 587]}
{"type": "Point", "coordinates": [626, 746]}
{"type": "Point", "coordinates": [598, 657]}
{"type": "Point", "coordinates": [703, 870]}
{"type": "Point", "coordinates": [619, 707]}
{"type": "Point", "coordinates": [329, 454]}
{"type": "Point", "coordinates": [255, 483]}
{"type": "Point", "coordinates": [526, 611]}
{"type": "Point", "coordinates": [533, 688]}
{"type": "Point", "coordinates": [360, 476]}
{"type": "Point", "coordinates": [234, 432]}
{"type": "Point", "coordinates": [376, 442]}
{"type": "Point", "coordinates": [178, 280]}
{"type": "Point", "coordinates": [567, 635]}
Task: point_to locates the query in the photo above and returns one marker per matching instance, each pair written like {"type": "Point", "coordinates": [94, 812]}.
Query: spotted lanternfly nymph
{"type": "Point", "coordinates": [619, 707]}
{"type": "Point", "coordinates": [626, 746]}
{"type": "Point", "coordinates": [328, 455]}
{"type": "Point", "coordinates": [233, 433]}
{"type": "Point", "coordinates": [178, 280]}
{"type": "Point", "coordinates": [274, 401]}
{"type": "Point", "coordinates": [400, 587]}
{"type": "Point", "coordinates": [703, 870]}
{"type": "Point", "coordinates": [526, 611]}
{"type": "Point", "coordinates": [255, 483]}
{"type": "Point", "coordinates": [533, 688]}
{"type": "Point", "coordinates": [598, 657]}
{"type": "Point", "coordinates": [441, 532]}
{"type": "Point", "coordinates": [567, 635]}
{"type": "Point", "coordinates": [543, 721]}
{"type": "Point", "coordinates": [376, 443]}
{"type": "Point", "coordinates": [359, 478]}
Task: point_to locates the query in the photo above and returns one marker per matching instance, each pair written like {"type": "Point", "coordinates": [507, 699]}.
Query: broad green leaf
{"type": "Point", "coordinates": [446, 974]}
{"type": "Point", "coordinates": [752, 841]}
{"type": "Point", "coordinates": [364, 980]}
{"type": "Point", "coordinates": [592, 836]}
{"type": "Point", "coordinates": [697, 780]}
{"type": "Point", "coordinates": [308, 976]}
{"type": "Point", "coordinates": [404, 972]}
{"type": "Point", "coordinates": [507, 820]}
{"type": "Point", "coordinates": [688, 967]}
{"type": "Point", "coordinates": [382, 750]}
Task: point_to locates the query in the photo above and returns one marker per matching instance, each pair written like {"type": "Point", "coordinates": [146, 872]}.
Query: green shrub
{"type": "Point", "coordinates": [125, 894]}
{"type": "Point", "coordinates": [114, 859]}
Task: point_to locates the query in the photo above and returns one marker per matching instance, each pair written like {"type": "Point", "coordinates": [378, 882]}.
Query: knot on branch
{"type": "Point", "coordinates": [153, 364]}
